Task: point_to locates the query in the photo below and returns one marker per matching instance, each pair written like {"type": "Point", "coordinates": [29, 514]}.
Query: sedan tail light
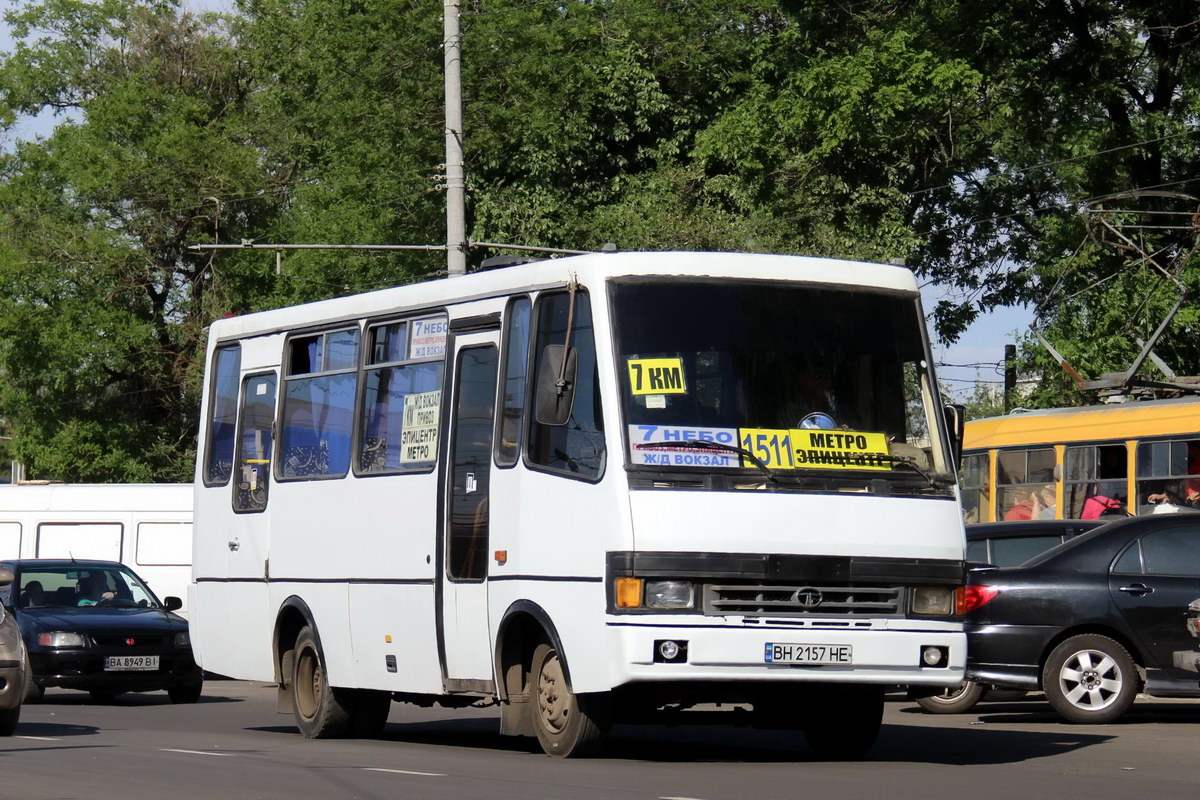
{"type": "Point", "coordinates": [970, 597]}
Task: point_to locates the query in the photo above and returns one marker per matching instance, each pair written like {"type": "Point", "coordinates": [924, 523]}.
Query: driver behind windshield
{"type": "Point", "coordinates": [93, 588]}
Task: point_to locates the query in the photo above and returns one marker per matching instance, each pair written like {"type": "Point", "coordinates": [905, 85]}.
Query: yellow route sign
{"type": "Point", "coordinates": [656, 376]}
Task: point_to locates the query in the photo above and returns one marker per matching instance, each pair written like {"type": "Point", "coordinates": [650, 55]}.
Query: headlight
{"type": "Point", "coordinates": [934, 601]}
{"type": "Point", "coordinates": [181, 639]}
{"type": "Point", "coordinates": [60, 639]}
{"type": "Point", "coordinates": [669, 594]}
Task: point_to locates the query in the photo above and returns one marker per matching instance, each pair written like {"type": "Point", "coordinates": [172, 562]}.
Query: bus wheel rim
{"type": "Point", "coordinates": [553, 695]}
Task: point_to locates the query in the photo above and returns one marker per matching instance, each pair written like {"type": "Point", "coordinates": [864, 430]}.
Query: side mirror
{"type": "Point", "coordinates": [554, 401]}
{"type": "Point", "coordinates": [6, 576]}
{"type": "Point", "coordinates": [956, 420]}
{"type": "Point", "coordinates": [172, 603]}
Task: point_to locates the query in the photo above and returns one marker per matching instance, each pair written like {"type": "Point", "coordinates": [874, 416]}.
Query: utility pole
{"type": "Point", "coordinates": [456, 210]}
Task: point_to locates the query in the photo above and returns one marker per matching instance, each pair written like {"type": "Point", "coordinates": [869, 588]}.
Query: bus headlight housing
{"type": "Point", "coordinates": [670, 594]}
{"type": "Point", "coordinates": [933, 601]}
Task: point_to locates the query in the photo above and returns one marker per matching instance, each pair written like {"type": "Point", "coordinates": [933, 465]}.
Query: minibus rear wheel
{"type": "Point", "coordinates": [567, 724]}
{"type": "Point", "coordinates": [320, 710]}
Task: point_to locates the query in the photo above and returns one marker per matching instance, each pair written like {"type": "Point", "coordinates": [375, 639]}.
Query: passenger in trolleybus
{"type": "Point", "coordinates": [799, 378]}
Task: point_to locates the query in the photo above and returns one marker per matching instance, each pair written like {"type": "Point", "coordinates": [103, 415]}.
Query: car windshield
{"type": "Point", "coordinates": [815, 379]}
{"type": "Point", "coordinates": [73, 587]}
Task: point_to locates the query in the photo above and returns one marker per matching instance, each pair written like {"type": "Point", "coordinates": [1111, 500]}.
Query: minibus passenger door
{"type": "Point", "coordinates": [467, 479]}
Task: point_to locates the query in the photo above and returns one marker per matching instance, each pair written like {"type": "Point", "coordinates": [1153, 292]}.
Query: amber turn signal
{"type": "Point", "coordinates": [629, 592]}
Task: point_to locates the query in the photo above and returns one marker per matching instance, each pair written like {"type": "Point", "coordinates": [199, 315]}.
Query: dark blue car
{"type": "Point", "coordinates": [95, 626]}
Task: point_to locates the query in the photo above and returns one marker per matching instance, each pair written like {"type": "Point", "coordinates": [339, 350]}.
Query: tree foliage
{"type": "Point", "coordinates": [967, 139]}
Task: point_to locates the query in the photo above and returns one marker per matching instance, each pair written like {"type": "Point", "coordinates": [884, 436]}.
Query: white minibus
{"type": "Point", "coordinates": [146, 526]}
{"type": "Point", "coordinates": [589, 490]}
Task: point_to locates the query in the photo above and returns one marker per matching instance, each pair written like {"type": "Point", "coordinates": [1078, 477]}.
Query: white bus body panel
{"type": "Point", "coordinates": [361, 552]}
{"type": "Point", "coordinates": [809, 524]}
{"type": "Point", "coordinates": [146, 526]}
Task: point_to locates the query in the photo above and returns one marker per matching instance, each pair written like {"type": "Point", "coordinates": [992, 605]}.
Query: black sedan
{"type": "Point", "coordinates": [1008, 544]}
{"type": "Point", "coordinates": [94, 625]}
{"type": "Point", "coordinates": [1093, 621]}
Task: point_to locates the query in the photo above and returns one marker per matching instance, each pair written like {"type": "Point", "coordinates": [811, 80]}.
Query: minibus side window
{"type": "Point", "coordinates": [318, 405]}
{"type": "Point", "coordinates": [254, 444]}
{"type": "Point", "coordinates": [1025, 484]}
{"type": "Point", "coordinates": [222, 415]}
{"type": "Point", "coordinates": [576, 448]}
{"type": "Point", "coordinates": [1095, 481]}
{"type": "Point", "coordinates": [402, 396]}
{"type": "Point", "coordinates": [516, 374]}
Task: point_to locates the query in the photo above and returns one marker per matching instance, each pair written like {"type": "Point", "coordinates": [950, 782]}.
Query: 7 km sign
{"type": "Point", "coordinates": [656, 376]}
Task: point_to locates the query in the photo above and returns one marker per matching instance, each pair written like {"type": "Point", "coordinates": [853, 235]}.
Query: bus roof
{"type": "Point", "coordinates": [95, 497]}
{"type": "Point", "coordinates": [1115, 421]}
{"type": "Point", "coordinates": [589, 269]}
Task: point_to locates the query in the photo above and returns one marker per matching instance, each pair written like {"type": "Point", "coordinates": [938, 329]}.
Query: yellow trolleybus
{"type": "Point", "coordinates": [1067, 463]}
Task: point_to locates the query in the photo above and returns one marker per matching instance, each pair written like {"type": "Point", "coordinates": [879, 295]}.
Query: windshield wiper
{"type": "Point", "coordinates": [912, 464]}
{"type": "Point", "coordinates": [717, 446]}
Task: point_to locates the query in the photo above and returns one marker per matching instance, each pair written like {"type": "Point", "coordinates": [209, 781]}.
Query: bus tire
{"type": "Point", "coordinates": [8, 720]}
{"type": "Point", "coordinates": [843, 722]}
{"type": "Point", "coordinates": [1090, 679]}
{"type": "Point", "coordinates": [567, 724]}
{"type": "Point", "coordinates": [321, 711]}
{"type": "Point", "coordinates": [371, 709]}
{"type": "Point", "coordinates": [952, 700]}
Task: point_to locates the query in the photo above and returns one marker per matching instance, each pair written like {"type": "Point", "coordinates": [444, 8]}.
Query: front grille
{"type": "Point", "coordinates": [121, 640]}
{"type": "Point", "coordinates": [802, 600]}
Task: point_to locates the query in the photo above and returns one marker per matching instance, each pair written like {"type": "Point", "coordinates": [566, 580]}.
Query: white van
{"type": "Point", "coordinates": [147, 526]}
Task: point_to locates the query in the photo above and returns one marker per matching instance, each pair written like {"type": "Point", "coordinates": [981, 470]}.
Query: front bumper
{"type": "Point", "coordinates": [84, 669]}
{"type": "Point", "coordinates": [1186, 660]}
{"type": "Point", "coordinates": [12, 683]}
{"type": "Point", "coordinates": [886, 653]}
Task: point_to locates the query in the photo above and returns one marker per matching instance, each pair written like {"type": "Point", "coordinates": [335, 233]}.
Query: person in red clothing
{"type": "Point", "coordinates": [1023, 509]}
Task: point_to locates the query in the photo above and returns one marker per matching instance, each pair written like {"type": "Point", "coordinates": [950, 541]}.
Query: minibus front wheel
{"type": "Point", "coordinates": [567, 724]}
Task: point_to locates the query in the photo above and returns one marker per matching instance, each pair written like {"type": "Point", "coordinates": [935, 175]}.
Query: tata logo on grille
{"type": "Point", "coordinates": [807, 597]}
{"type": "Point", "coordinates": [131, 641]}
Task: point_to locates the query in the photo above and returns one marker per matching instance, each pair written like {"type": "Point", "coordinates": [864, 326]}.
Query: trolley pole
{"type": "Point", "coordinates": [456, 212]}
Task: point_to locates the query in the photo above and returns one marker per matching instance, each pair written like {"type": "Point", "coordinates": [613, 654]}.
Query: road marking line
{"type": "Point", "coordinates": [40, 738]}
{"type": "Point", "coordinates": [196, 752]}
{"type": "Point", "coordinates": [406, 772]}
{"type": "Point", "coordinates": [677, 798]}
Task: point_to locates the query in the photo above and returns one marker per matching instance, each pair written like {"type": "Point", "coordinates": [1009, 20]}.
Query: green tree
{"type": "Point", "coordinates": [102, 307]}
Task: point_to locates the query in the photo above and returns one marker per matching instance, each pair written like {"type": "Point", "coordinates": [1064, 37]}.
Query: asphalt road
{"type": "Point", "coordinates": [233, 745]}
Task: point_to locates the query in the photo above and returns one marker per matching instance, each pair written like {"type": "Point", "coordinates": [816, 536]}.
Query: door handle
{"type": "Point", "coordinates": [235, 545]}
{"type": "Point", "coordinates": [1136, 589]}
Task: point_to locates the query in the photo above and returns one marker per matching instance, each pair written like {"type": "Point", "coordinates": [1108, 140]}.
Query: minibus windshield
{"type": "Point", "coordinates": [798, 378]}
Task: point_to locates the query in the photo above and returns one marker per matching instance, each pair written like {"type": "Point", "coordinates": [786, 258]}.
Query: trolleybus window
{"type": "Point", "coordinates": [576, 448]}
{"type": "Point", "coordinates": [516, 374]}
{"type": "Point", "coordinates": [1025, 483]}
{"type": "Point", "coordinates": [826, 380]}
{"type": "Point", "coordinates": [222, 415]}
{"type": "Point", "coordinates": [1095, 481]}
{"type": "Point", "coordinates": [1168, 472]}
{"type": "Point", "coordinates": [318, 407]}
{"type": "Point", "coordinates": [402, 398]}
{"type": "Point", "coordinates": [254, 444]}
{"type": "Point", "coordinates": [974, 485]}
